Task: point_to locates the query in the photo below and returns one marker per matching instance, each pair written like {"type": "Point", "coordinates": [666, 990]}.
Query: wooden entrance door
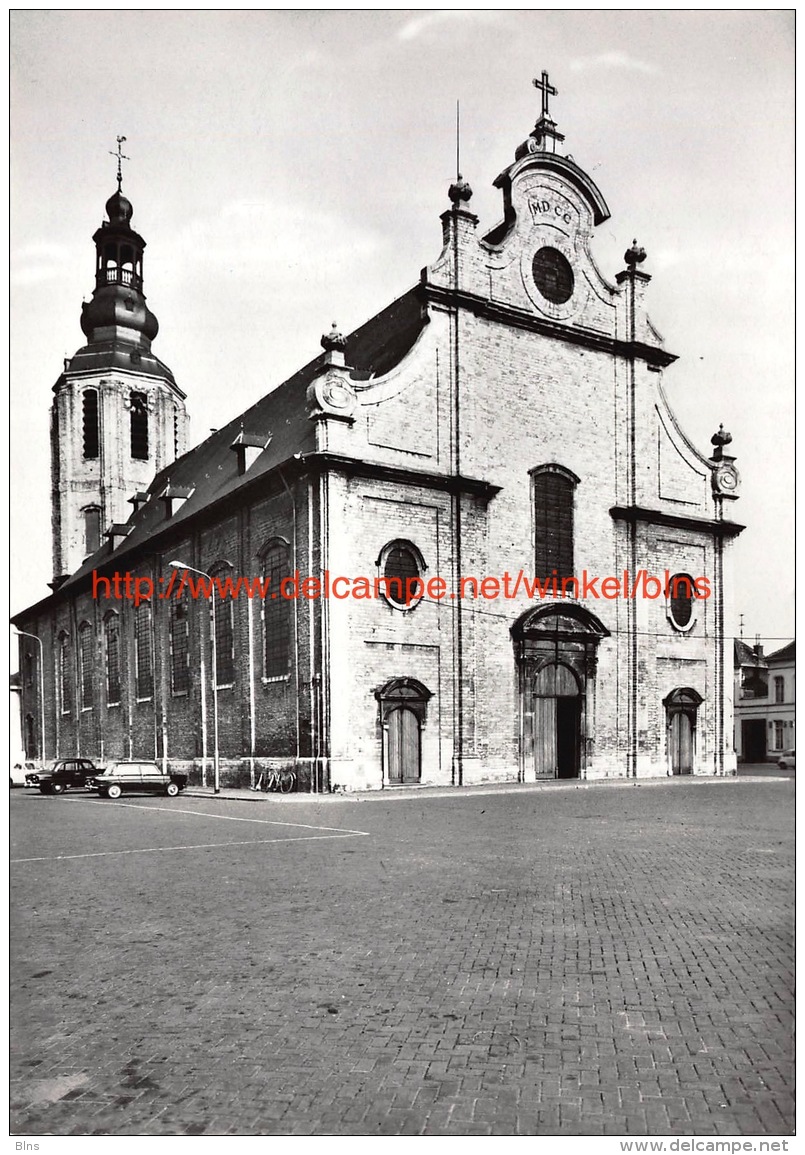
{"type": "Point", "coordinates": [403, 746]}
{"type": "Point", "coordinates": [557, 723]}
{"type": "Point", "coordinates": [681, 743]}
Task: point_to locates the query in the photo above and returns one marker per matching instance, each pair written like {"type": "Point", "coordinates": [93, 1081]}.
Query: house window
{"type": "Point", "coordinates": [65, 696]}
{"type": "Point", "coordinates": [92, 529]}
{"type": "Point", "coordinates": [779, 735]}
{"type": "Point", "coordinates": [112, 647]}
{"type": "Point", "coordinates": [681, 592]}
{"type": "Point", "coordinates": [85, 665]}
{"type": "Point", "coordinates": [143, 662]}
{"type": "Point", "coordinates": [276, 611]}
{"type": "Point", "coordinates": [224, 610]}
{"type": "Point", "coordinates": [139, 426]}
{"type": "Point", "coordinates": [553, 499]}
{"type": "Point", "coordinates": [179, 647]}
{"type": "Point", "coordinates": [779, 689]}
{"type": "Point", "coordinates": [90, 423]}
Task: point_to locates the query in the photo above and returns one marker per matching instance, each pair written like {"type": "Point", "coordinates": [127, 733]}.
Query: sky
{"type": "Point", "coordinates": [288, 169]}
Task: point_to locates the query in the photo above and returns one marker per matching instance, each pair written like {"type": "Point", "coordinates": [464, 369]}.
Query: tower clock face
{"type": "Point", "coordinates": [553, 275]}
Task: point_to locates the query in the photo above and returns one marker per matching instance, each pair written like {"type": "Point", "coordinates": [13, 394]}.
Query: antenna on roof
{"type": "Point", "coordinates": [458, 140]}
{"type": "Point", "coordinates": [741, 625]}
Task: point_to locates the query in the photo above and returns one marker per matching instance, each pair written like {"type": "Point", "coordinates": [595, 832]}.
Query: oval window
{"type": "Point", "coordinates": [681, 593]}
{"type": "Point", "coordinates": [402, 585]}
{"type": "Point", "coordinates": [553, 275]}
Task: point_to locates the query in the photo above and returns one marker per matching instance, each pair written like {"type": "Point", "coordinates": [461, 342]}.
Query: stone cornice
{"type": "Point", "coordinates": [507, 315]}
{"type": "Point", "coordinates": [399, 475]}
{"type": "Point", "coordinates": [636, 513]}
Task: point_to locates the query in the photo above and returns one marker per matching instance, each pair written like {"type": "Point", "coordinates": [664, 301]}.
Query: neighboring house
{"type": "Point", "coordinates": [506, 415]}
{"type": "Point", "coordinates": [764, 702]}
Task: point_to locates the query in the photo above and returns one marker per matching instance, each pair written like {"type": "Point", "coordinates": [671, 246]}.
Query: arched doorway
{"type": "Point", "coordinates": [404, 746]}
{"type": "Point", "coordinates": [681, 712]}
{"type": "Point", "coordinates": [556, 648]}
{"type": "Point", "coordinates": [557, 722]}
{"type": "Point", "coordinates": [403, 711]}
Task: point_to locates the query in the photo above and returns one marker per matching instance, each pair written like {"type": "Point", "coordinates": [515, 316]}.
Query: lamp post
{"type": "Point", "coordinates": [216, 767]}
{"type": "Point", "coordinates": [38, 640]}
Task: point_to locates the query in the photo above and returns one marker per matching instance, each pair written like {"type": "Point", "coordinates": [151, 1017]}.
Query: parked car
{"type": "Point", "coordinates": [787, 760]}
{"type": "Point", "coordinates": [64, 773]}
{"type": "Point", "coordinates": [32, 770]}
{"type": "Point", "coordinates": [137, 778]}
{"type": "Point", "coordinates": [17, 775]}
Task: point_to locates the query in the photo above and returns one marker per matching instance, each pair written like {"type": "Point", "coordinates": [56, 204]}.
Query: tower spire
{"type": "Point", "coordinates": [121, 157]}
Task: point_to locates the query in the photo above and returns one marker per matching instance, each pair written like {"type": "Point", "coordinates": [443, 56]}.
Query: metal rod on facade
{"type": "Point", "coordinates": [215, 759]}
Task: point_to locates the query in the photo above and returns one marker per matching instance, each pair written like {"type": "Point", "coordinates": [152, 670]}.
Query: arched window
{"type": "Point", "coordinates": [139, 426]}
{"type": "Point", "coordinates": [143, 653]}
{"type": "Point", "coordinates": [111, 629]}
{"type": "Point", "coordinates": [277, 610]}
{"type": "Point", "coordinates": [31, 744]}
{"type": "Point", "coordinates": [224, 610]}
{"type": "Point", "coordinates": [85, 664]}
{"type": "Point", "coordinates": [179, 648]}
{"type": "Point", "coordinates": [92, 529]}
{"type": "Point", "coordinates": [65, 685]}
{"type": "Point", "coordinates": [90, 423]}
{"type": "Point", "coordinates": [127, 264]}
{"type": "Point", "coordinates": [401, 568]}
{"type": "Point", "coordinates": [681, 594]}
{"type": "Point", "coordinates": [553, 490]}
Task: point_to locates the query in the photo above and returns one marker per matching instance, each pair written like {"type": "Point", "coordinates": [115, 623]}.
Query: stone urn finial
{"type": "Point", "coordinates": [459, 191]}
{"type": "Point", "coordinates": [635, 255]}
{"type": "Point", "coordinates": [334, 341]}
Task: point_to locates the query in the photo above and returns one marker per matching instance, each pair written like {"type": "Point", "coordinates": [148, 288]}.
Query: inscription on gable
{"type": "Point", "coordinates": [543, 207]}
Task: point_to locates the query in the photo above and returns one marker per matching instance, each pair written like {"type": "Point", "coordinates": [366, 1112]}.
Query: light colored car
{"type": "Point", "coordinates": [787, 760]}
{"type": "Point", "coordinates": [17, 774]}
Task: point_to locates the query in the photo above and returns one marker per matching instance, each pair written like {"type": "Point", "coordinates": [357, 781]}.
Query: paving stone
{"type": "Point", "coordinates": [611, 961]}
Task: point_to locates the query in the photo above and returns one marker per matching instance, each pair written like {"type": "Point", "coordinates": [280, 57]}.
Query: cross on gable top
{"type": "Point", "coordinates": [547, 90]}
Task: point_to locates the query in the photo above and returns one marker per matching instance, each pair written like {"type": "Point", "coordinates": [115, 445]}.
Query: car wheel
{"type": "Point", "coordinates": [113, 791]}
{"type": "Point", "coordinates": [171, 790]}
{"type": "Point", "coordinates": [58, 788]}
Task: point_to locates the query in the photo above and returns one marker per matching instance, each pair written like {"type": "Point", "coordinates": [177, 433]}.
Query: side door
{"type": "Point", "coordinates": [153, 778]}
{"type": "Point", "coordinates": [130, 776]}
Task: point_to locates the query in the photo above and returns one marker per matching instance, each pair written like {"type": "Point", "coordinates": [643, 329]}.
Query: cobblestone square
{"type": "Point", "coordinates": [594, 959]}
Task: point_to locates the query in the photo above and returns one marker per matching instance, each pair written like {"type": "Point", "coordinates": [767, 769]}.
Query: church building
{"type": "Point", "coordinates": [487, 552]}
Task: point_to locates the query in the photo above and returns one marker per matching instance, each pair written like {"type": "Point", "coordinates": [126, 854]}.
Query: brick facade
{"type": "Point", "coordinates": [428, 427]}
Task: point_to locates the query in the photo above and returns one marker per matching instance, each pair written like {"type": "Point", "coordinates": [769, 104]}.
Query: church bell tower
{"type": "Point", "coordinates": [118, 416]}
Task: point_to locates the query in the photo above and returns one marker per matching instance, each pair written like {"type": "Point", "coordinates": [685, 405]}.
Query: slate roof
{"type": "Point", "coordinates": [209, 472]}
{"type": "Point", "coordinates": [745, 656]}
{"type": "Point", "coordinates": [785, 654]}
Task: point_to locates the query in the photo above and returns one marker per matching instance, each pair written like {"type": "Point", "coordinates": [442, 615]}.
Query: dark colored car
{"type": "Point", "coordinates": [137, 778]}
{"type": "Point", "coordinates": [63, 774]}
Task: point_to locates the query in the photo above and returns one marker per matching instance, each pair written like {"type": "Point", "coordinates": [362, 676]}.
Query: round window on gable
{"type": "Point", "coordinates": [401, 568]}
{"type": "Point", "coordinates": [681, 595]}
{"type": "Point", "coordinates": [553, 275]}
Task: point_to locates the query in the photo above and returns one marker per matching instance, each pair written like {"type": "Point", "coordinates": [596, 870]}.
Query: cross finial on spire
{"type": "Point", "coordinates": [547, 91]}
{"type": "Point", "coordinates": [121, 157]}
